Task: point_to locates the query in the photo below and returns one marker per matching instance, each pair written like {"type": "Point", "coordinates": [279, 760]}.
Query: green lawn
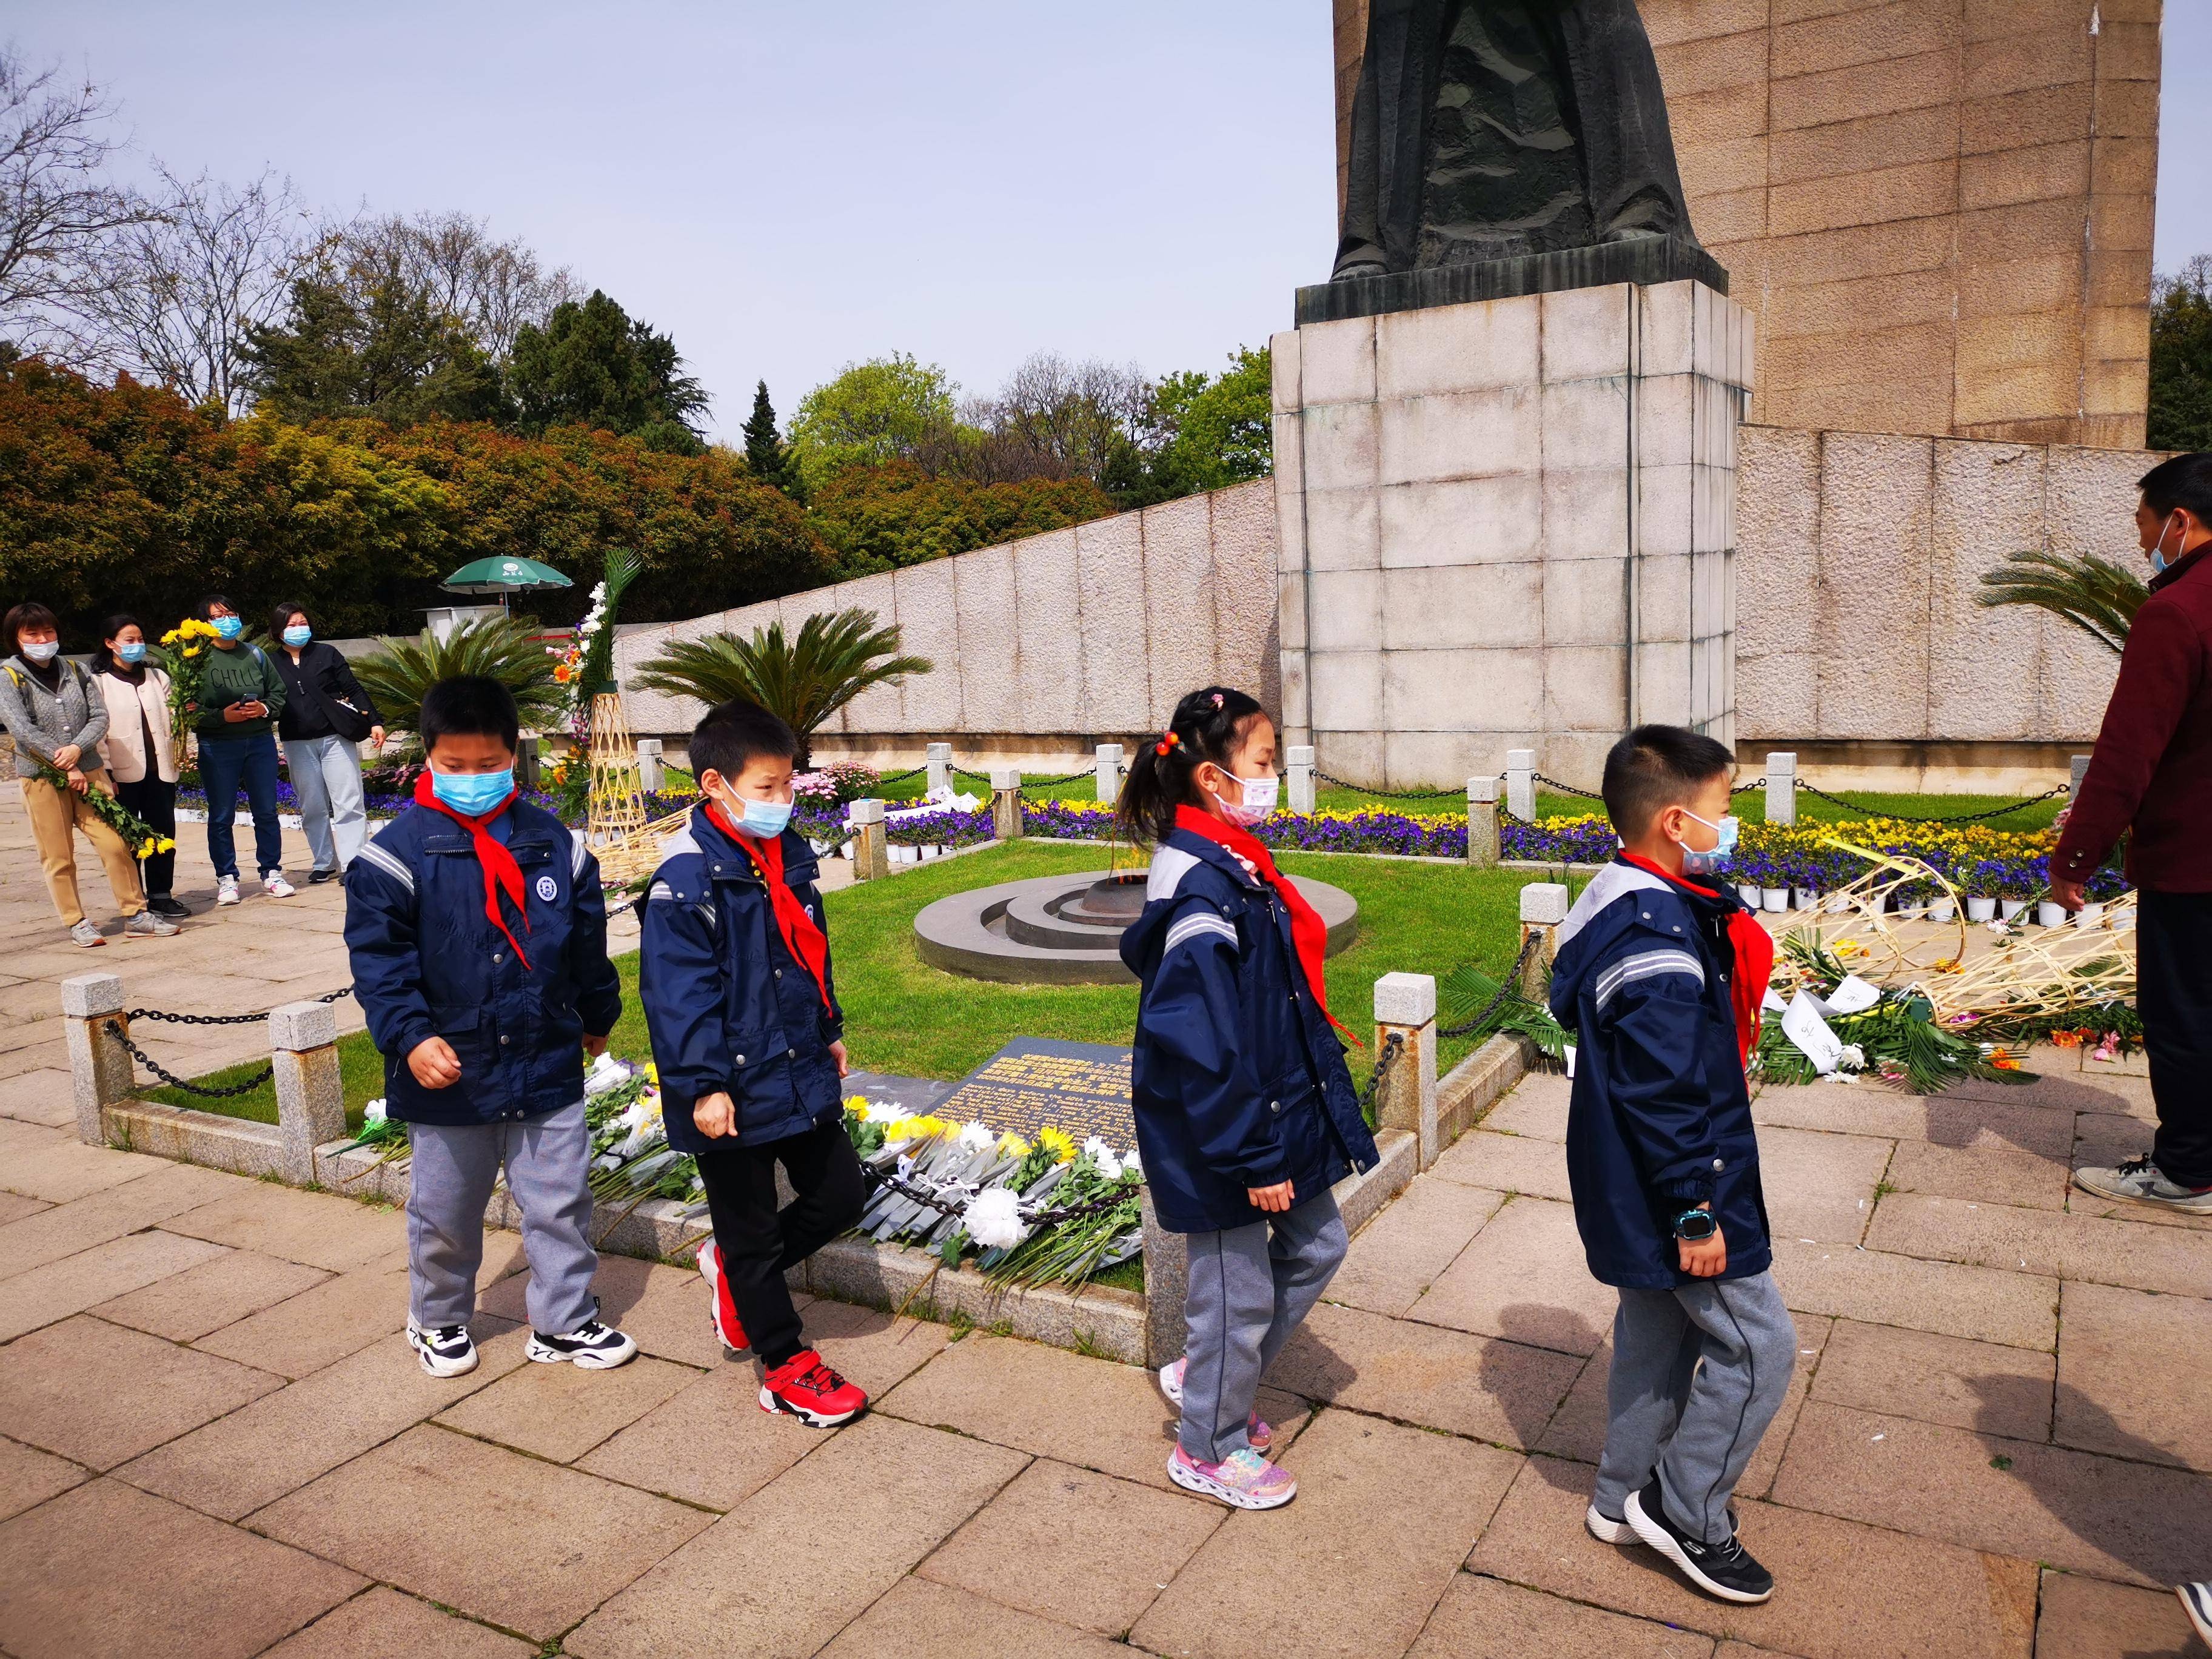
{"type": "Point", "coordinates": [906, 1017]}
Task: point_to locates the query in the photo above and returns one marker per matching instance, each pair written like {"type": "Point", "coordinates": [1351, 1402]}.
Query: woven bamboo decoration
{"type": "Point", "coordinates": [617, 799]}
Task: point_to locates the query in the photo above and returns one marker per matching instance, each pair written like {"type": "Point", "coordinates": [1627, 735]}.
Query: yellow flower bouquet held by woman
{"type": "Point", "coordinates": [186, 647]}
{"type": "Point", "coordinates": [136, 834]}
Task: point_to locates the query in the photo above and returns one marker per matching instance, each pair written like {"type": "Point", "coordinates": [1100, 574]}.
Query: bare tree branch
{"type": "Point", "coordinates": [54, 197]}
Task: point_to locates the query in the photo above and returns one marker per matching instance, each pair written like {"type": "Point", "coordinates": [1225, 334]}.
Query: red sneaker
{"type": "Point", "coordinates": [722, 1310]}
{"type": "Point", "coordinates": [811, 1392]}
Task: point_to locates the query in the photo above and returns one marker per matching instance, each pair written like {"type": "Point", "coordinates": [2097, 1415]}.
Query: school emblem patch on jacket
{"type": "Point", "coordinates": [548, 889]}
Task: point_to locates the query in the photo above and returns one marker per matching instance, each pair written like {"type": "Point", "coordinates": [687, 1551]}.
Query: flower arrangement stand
{"type": "Point", "coordinates": [617, 798]}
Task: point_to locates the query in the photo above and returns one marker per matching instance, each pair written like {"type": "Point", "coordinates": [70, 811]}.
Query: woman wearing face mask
{"type": "Point", "coordinates": [140, 752]}
{"type": "Point", "coordinates": [1245, 1111]}
{"type": "Point", "coordinates": [241, 698]}
{"type": "Point", "coordinates": [326, 717]}
{"type": "Point", "coordinates": [50, 707]}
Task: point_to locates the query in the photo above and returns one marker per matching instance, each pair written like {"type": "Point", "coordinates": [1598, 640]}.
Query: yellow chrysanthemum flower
{"type": "Point", "coordinates": [1058, 1142]}
{"type": "Point", "coordinates": [166, 846]}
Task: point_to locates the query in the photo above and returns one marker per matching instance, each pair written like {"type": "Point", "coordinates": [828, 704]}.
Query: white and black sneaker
{"type": "Point", "coordinates": [1605, 1529]}
{"type": "Point", "coordinates": [446, 1352]}
{"type": "Point", "coordinates": [1726, 1571]}
{"type": "Point", "coordinates": [2196, 1602]}
{"type": "Point", "coordinates": [590, 1347]}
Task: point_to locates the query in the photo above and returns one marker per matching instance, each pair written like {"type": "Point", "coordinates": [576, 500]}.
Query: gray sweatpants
{"type": "Point", "coordinates": [451, 1177]}
{"type": "Point", "coordinates": [1250, 1287]}
{"type": "Point", "coordinates": [1698, 1374]}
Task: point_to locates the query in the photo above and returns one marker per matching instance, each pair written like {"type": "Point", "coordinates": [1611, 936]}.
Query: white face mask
{"type": "Point", "coordinates": [1258, 797]}
{"type": "Point", "coordinates": [42, 650]}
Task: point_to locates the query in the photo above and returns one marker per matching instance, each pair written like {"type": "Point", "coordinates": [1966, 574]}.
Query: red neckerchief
{"type": "Point", "coordinates": [1754, 957]}
{"type": "Point", "coordinates": [500, 872]}
{"type": "Point", "coordinates": [808, 945]}
{"type": "Point", "coordinates": [1308, 933]}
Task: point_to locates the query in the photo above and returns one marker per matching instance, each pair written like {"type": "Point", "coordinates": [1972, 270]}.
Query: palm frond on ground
{"type": "Point", "coordinates": [400, 672]}
{"type": "Point", "coordinates": [804, 681]}
{"type": "Point", "coordinates": [2096, 595]}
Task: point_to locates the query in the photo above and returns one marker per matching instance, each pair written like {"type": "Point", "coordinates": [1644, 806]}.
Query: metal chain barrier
{"type": "Point", "coordinates": [1390, 794]}
{"type": "Point", "coordinates": [1961, 817]}
{"type": "Point", "coordinates": [1029, 782]}
{"type": "Point", "coordinates": [1509, 991]}
{"type": "Point", "coordinates": [115, 1027]}
{"type": "Point", "coordinates": [1566, 788]}
{"type": "Point", "coordinates": [138, 1014]}
{"type": "Point", "coordinates": [1393, 1046]}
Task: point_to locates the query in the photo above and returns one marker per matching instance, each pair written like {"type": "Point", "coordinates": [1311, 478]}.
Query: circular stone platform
{"type": "Point", "coordinates": [1067, 930]}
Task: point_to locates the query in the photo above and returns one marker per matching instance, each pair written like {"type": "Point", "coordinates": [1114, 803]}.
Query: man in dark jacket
{"type": "Point", "coordinates": [478, 937]}
{"type": "Point", "coordinates": [1661, 975]}
{"type": "Point", "coordinates": [2151, 773]}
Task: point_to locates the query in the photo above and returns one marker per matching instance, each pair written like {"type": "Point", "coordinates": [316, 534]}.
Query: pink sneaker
{"type": "Point", "coordinates": [1243, 1480]}
{"type": "Point", "coordinates": [1256, 1431]}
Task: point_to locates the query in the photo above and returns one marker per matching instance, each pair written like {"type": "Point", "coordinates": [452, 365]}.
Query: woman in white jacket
{"type": "Point", "coordinates": [139, 750]}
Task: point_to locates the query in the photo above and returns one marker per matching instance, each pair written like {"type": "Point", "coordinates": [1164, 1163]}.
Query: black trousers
{"type": "Point", "coordinates": [760, 1244]}
{"type": "Point", "coordinates": [2174, 981]}
{"type": "Point", "coordinates": [155, 802]}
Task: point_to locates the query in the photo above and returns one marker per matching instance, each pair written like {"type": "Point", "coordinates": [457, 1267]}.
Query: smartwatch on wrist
{"type": "Point", "coordinates": [1694, 1226]}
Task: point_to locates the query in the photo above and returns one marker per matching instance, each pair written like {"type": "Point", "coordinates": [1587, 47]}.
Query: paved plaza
{"type": "Point", "coordinates": [217, 1442]}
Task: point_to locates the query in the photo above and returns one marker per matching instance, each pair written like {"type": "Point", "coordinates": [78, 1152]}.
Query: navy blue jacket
{"type": "Point", "coordinates": [426, 962]}
{"type": "Point", "coordinates": [1661, 1116]}
{"type": "Point", "coordinates": [730, 1008]}
{"type": "Point", "coordinates": [1238, 1078]}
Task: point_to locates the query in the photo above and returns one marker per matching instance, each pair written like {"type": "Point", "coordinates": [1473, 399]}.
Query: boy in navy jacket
{"type": "Point", "coordinates": [750, 1041]}
{"type": "Point", "coordinates": [1660, 974]}
{"type": "Point", "coordinates": [478, 937]}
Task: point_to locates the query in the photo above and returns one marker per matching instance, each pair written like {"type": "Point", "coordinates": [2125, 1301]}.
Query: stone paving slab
{"type": "Point", "coordinates": [2006, 1236]}
{"type": "Point", "coordinates": [1405, 1250]}
{"type": "Point", "coordinates": [28, 1477]}
{"type": "Point", "coordinates": [1480, 1386]}
{"type": "Point", "coordinates": [39, 1095]}
{"type": "Point", "coordinates": [1537, 1106]}
{"type": "Point", "coordinates": [559, 1413]}
{"type": "Point", "coordinates": [317, 1229]}
{"type": "Point", "coordinates": [1938, 1379]}
{"type": "Point", "coordinates": [524, 1545]}
{"type": "Point", "coordinates": [62, 1388]}
{"type": "Point", "coordinates": [1821, 1187]}
{"type": "Point", "coordinates": [59, 1167]}
{"type": "Point", "coordinates": [663, 1307]}
{"type": "Point", "coordinates": [2120, 1393]}
{"type": "Point", "coordinates": [277, 1444]}
{"type": "Point", "coordinates": [2087, 1618]}
{"type": "Point", "coordinates": [1415, 1502]}
{"type": "Point", "coordinates": [764, 1579]}
{"type": "Point", "coordinates": [877, 1350]}
{"type": "Point", "coordinates": [1524, 1278]}
{"type": "Point", "coordinates": [382, 1624]}
{"type": "Point", "coordinates": [1948, 1119]}
{"type": "Point", "coordinates": [53, 1293]}
{"type": "Point", "coordinates": [79, 1224]}
{"type": "Point", "coordinates": [1506, 1164]}
{"type": "Point", "coordinates": [168, 1582]}
{"type": "Point", "coordinates": [1482, 1619]}
{"type": "Point", "coordinates": [664, 1450]}
{"type": "Point", "coordinates": [319, 1326]}
{"type": "Point", "coordinates": [919, 1619]}
{"type": "Point", "coordinates": [2115, 1519]}
{"type": "Point", "coordinates": [1987, 1175]}
{"type": "Point", "coordinates": [1846, 1591]}
{"type": "Point", "coordinates": [1097, 1550]}
{"type": "Point", "coordinates": [221, 1291]}
{"type": "Point", "coordinates": [1987, 1305]}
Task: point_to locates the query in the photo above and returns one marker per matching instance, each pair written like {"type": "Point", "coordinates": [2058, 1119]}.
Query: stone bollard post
{"type": "Point", "coordinates": [1543, 908]}
{"type": "Point", "coordinates": [100, 1066]}
{"type": "Point", "coordinates": [1167, 1281]}
{"type": "Point", "coordinates": [1781, 788]}
{"type": "Point", "coordinates": [526, 753]}
{"type": "Point", "coordinates": [872, 853]}
{"type": "Point", "coordinates": [303, 1041]}
{"type": "Point", "coordinates": [940, 766]}
{"type": "Point", "coordinates": [1005, 803]}
{"type": "Point", "coordinates": [652, 776]}
{"type": "Point", "coordinates": [1406, 1006]}
{"type": "Point", "coordinates": [1482, 846]}
{"type": "Point", "coordinates": [2076, 771]}
{"type": "Point", "coordinates": [1110, 773]}
{"type": "Point", "coordinates": [1521, 783]}
{"type": "Point", "coordinates": [1298, 776]}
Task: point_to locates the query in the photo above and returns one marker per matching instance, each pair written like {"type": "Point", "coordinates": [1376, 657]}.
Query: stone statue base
{"type": "Point", "coordinates": [1508, 525]}
{"type": "Point", "coordinates": [1643, 259]}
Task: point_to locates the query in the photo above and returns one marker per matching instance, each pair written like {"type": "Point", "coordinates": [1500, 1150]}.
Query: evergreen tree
{"type": "Point", "coordinates": [766, 452]}
{"type": "Point", "coordinates": [2181, 359]}
{"type": "Point", "coordinates": [593, 364]}
{"type": "Point", "coordinates": [375, 348]}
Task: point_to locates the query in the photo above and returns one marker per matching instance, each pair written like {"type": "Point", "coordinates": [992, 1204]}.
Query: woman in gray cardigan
{"type": "Point", "coordinates": [49, 707]}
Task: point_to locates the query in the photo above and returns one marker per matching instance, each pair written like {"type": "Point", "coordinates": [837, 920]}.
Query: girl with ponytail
{"type": "Point", "coordinates": [1246, 1115]}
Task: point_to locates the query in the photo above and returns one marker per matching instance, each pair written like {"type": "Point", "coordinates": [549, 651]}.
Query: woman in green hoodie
{"type": "Point", "coordinates": [241, 697]}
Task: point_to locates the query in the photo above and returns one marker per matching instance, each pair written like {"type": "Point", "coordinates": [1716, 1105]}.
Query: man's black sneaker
{"type": "Point", "coordinates": [1726, 1571]}
{"type": "Point", "coordinates": [317, 878]}
{"type": "Point", "coordinates": [445, 1351]}
{"type": "Point", "coordinates": [590, 1347]}
{"type": "Point", "coordinates": [167, 904]}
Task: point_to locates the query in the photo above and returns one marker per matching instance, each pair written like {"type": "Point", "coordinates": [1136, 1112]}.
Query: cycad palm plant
{"type": "Point", "coordinates": [400, 671]}
{"type": "Point", "coordinates": [2096, 595]}
{"type": "Point", "coordinates": [803, 681]}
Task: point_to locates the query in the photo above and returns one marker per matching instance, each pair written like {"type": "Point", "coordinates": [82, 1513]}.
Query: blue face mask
{"type": "Point", "coordinates": [298, 634]}
{"type": "Point", "coordinates": [763, 820]}
{"type": "Point", "coordinates": [229, 627]}
{"type": "Point", "coordinates": [1695, 863]}
{"type": "Point", "coordinates": [2158, 559]}
{"type": "Point", "coordinates": [472, 795]}
{"type": "Point", "coordinates": [132, 652]}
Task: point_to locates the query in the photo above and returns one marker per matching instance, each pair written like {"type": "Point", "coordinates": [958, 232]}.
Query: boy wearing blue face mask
{"type": "Point", "coordinates": [478, 936]}
{"type": "Point", "coordinates": [1661, 971]}
{"type": "Point", "coordinates": [735, 976]}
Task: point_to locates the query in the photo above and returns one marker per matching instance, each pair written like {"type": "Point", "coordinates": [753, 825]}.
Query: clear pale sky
{"type": "Point", "coordinates": [787, 188]}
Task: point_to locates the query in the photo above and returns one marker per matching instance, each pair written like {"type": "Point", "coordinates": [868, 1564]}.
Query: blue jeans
{"type": "Point", "coordinates": [225, 764]}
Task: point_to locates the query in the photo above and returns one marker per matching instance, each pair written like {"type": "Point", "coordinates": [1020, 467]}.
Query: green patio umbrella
{"type": "Point", "coordinates": [504, 576]}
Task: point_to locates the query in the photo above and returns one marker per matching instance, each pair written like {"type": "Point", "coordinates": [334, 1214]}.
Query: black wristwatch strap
{"type": "Point", "coordinates": [1695, 1225]}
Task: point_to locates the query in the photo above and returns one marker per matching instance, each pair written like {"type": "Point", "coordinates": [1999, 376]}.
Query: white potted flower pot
{"type": "Point", "coordinates": [1748, 892]}
{"type": "Point", "coordinates": [2091, 914]}
{"type": "Point", "coordinates": [1839, 904]}
{"type": "Point", "coordinates": [1943, 910]}
{"type": "Point", "coordinates": [931, 850]}
{"type": "Point", "coordinates": [845, 851]}
{"type": "Point", "coordinates": [1981, 907]}
{"type": "Point", "coordinates": [2051, 913]}
{"type": "Point", "coordinates": [1809, 898]}
{"type": "Point", "coordinates": [2009, 909]}
{"type": "Point", "coordinates": [1774, 898]}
